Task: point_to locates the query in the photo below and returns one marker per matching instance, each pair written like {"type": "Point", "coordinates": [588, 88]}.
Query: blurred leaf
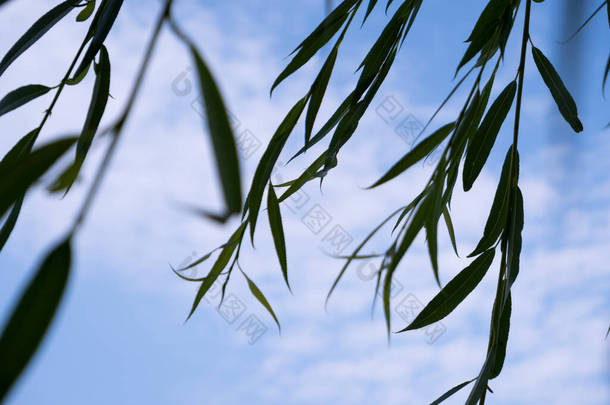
{"type": "Point", "coordinates": [499, 208]}
{"type": "Point", "coordinates": [10, 222]}
{"type": "Point", "coordinates": [21, 96]}
{"type": "Point", "coordinates": [454, 292]}
{"type": "Point", "coordinates": [66, 179]}
{"type": "Point", "coordinates": [219, 265]}
{"type": "Point", "coordinates": [607, 71]}
{"type": "Point", "coordinates": [419, 152]}
{"type": "Point", "coordinates": [480, 146]}
{"type": "Point", "coordinates": [221, 135]}
{"type": "Point", "coordinates": [450, 393]}
{"type": "Point", "coordinates": [563, 99]}
{"type": "Point", "coordinates": [268, 160]}
{"type": "Point", "coordinates": [33, 314]}
{"type": "Point", "coordinates": [17, 176]}
{"type": "Point", "coordinates": [86, 11]}
{"type": "Point", "coordinates": [277, 231]}
{"type": "Point", "coordinates": [100, 27]}
{"type": "Point", "coordinates": [36, 31]}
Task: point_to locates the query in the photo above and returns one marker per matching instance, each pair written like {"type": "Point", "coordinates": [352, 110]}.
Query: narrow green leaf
{"type": "Point", "coordinates": [36, 31]}
{"type": "Point", "coordinates": [515, 229]}
{"type": "Point", "coordinates": [316, 40]}
{"type": "Point", "coordinates": [307, 175]}
{"type": "Point", "coordinates": [97, 106]}
{"type": "Point", "coordinates": [478, 391]}
{"type": "Point", "coordinates": [499, 208]}
{"type": "Point", "coordinates": [76, 80]}
{"type": "Point", "coordinates": [100, 27]}
{"type": "Point", "coordinates": [563, 99]}
{"type": "Point", "coordinates": [454, 292]}
{"type": "Point", "coordinates": [419, 152]}
{"type": "Point", "coordinates": [607, 71]}
{"type": "Point", "coordinates": [355, 254]}
{"type": "Point", "coordinates": [21, 96]}
{"type": "Point", "coordinates": [221, 134]}
{"type": "Point", "coordinates": [33, 314]}
{"type": "Point", "coordinates": [502, 339]}
{"type": "Point", "coordinates": [17, 176]}
{"type": "Point", "coordinates": [277, 230]}
{"type": "Point", "coordinates": [268, 160]}
{"type": "Point", "coordinates": [431, 224]}
{"type": "Point", "coordinates": [450, 229]}
{"type": "Point", "coordinates": [450, 393]}
{"type": "Point", "coordinates": [219, 265]}
{"type": "Point", "coordinates": [480, 147]}
{"type": "Point", "coordinates": [318, 89]}
{"type": "Point", "coordinates": [86, 11]}
{"type": "Point", "coordinates": [258, 294]}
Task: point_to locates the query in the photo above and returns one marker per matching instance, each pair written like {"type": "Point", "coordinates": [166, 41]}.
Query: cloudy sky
{"type": "Point", "coordinates": [120, 336]}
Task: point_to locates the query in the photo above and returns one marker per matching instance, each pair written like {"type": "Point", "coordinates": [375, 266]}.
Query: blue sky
{"type": "Point", "coordinates": [120, 336]}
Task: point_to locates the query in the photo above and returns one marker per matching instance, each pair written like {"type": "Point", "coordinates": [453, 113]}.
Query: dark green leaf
{"type": "Point", "coordinates": [76, 80]}
{"type": "Point", "coordinates": [277, 230]}
{"type": "Point", "coordinates": [419, 152]}
{"type": "Point", "coordinates": [318, 89]}
{"type": "Point", "coordinates": [450, 229]}
{"type": "Point", "coordinates": [454, 292]}
{"type": "Point", "coordinates": [499, 208]}
{"type": "Point", "coordinates": [480, 386]}
{"type": "Point", "coordinates": [452, 391]}
{"type": "Point", "coordinates": [97, 106]}
{"type": "Point", "coordinates": [316, 40]}
{"type": "Point", "coordinates": [502, 339]}
{"type": "Point", "coordinates": [563, 99]}
{"type": "Point", "coordinates": [33, 314]}
{"type": "Point", "coordinates": [101, 25]}
{"type": "Point", "coordinates": [21, 96]}
{"type": "Point", "coordinates": [258, 294]}
{"type": "Point", "coordinates": [37, 30]}
{"type": "Point", "coordinates": [86, 11]}
{"type": "Point", "coordinates": [607, 71]}
{"type": "Point", "coordinates": [306, 176]}
{"type": "Point", "coordinates": [431, 224]}
{"type": "Point", "coordinates": [268, 160]}
{"type": "Point", "coordinates": [221, 135]}
{"type": "Point", "coordinates": [515, 228]}
{"type": "Point", "coordinates": [479, 148]}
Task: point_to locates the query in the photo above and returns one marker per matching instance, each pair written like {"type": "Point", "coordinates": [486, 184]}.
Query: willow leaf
{"type": "Point", "coordinates": [480, 147]}
{"type": "Point", "coordinates": [419, 152]}
{"type": "Point", "coordinates": [268, 160]}
{"type": "Point", "coordinates": [258, 294]}
{"type": "Point", "coordinates": [450, 393]}
{"type": "Point", "coordinates": [100, 27]}
{"type": "Point", "coordinates": [36, 31]}
{"type": "Point", "coordinates": [454, 292]}
{"type": "Point", "coordinates": [21, 96]}
{"type": "Point", "coordinates": [86, 11]}
{"type": "Point", "coordinates": [561, 95]}
{"type": "Point", "coordinates": [499, 208]}
{"type": "Point", "coordinates": [277, 231]}
{"type": "Point", "coordinates": [33, 314]}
